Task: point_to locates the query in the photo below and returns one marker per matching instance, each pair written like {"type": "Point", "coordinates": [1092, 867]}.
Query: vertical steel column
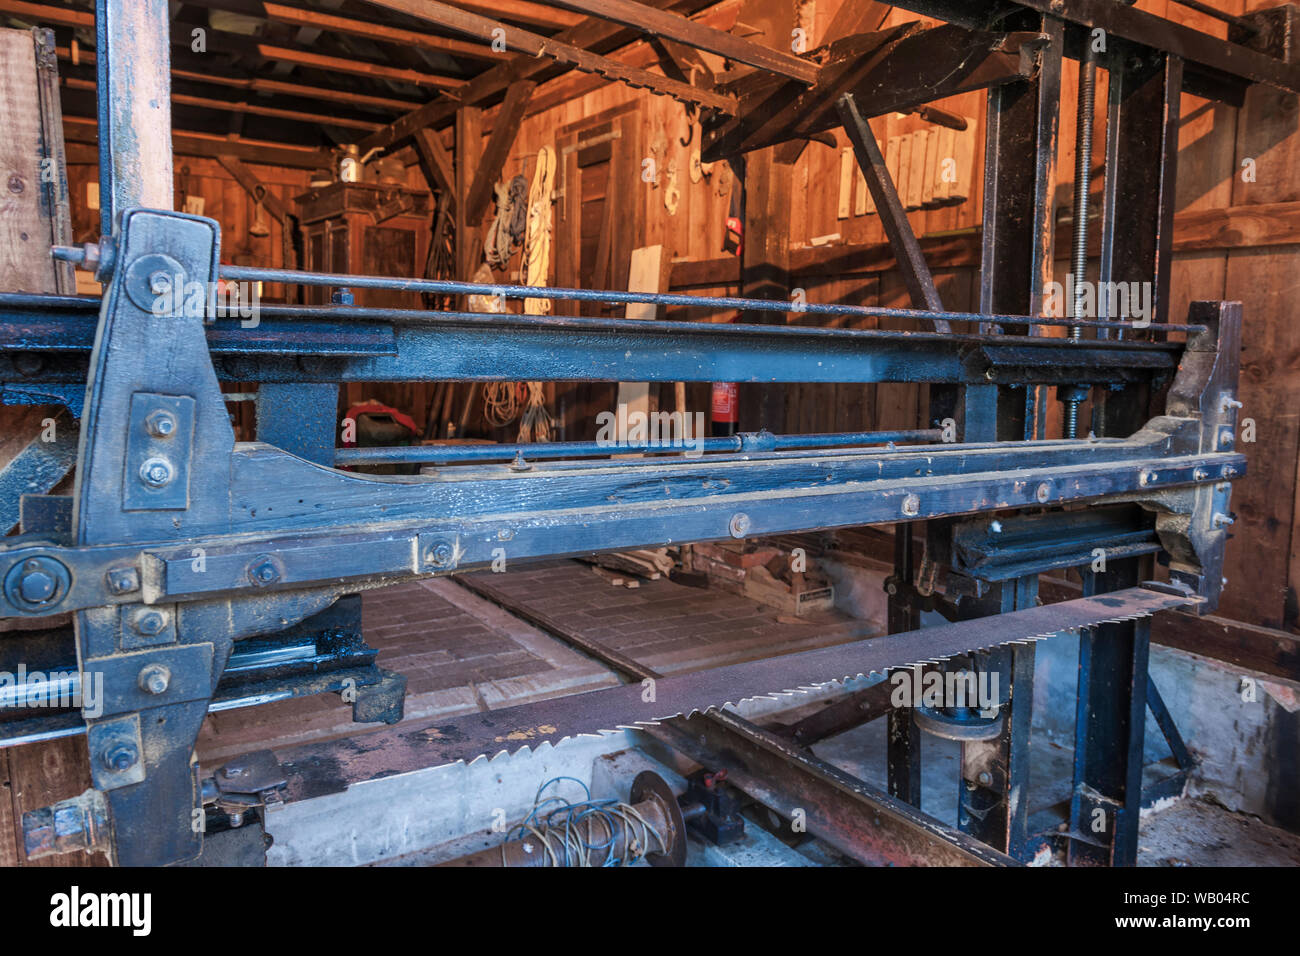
{"type": "Point", "coordinates": [992, 799]}
{"type": "Point", "coordinates": [1110, 725]}
{"type": "Point", "coordinates": [903, 739]}
{"type": "Point", "coordinates": [1138, 202]}
{"type": "Point", "coordinates": [1141, 164]}
{"type": "Point", "coordinates": [133, 67]}
{"type": "Point", "coordinates": [1019, 229]}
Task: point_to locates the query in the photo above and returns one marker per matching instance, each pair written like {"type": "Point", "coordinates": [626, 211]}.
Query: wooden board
{"type": "Point", "coordinates": [647, 275]}
{"type": "Point", "coordinates": [27, 171]}
{"type": "Point", "coordinates": [35, 775]}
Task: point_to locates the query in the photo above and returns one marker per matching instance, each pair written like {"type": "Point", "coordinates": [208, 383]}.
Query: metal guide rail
{"type": "Point", "coordinates": [201, 572]}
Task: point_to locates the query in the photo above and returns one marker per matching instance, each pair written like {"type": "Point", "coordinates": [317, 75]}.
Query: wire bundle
{"type": "Point", "coordinates": [571, 832]}
{"type": "Point", "coordinates": [536, 423]}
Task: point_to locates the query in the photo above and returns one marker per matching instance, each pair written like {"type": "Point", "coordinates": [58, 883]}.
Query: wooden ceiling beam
{"type": "Point", "coordinates": [338, 64]}
{"type": "Point", "coordinates": [663, 23]}
{"type": "Point", "coordinates": [592, 32]}
{"type": "Point", "coordinates": [258, 84]}
{"type": "Point", "coordinates": [48, 15]}
{"type": "Point", "coordinates": [84, 129]}
{"type": "Point", "coordinates": [542, 15]}
{"type": "Point", "coordinates": [220, 41]}
{"type": "Point", "coordinates": [381, 33]}
{"type": "Point", "coordinates": [242, 106]}
{"type": "Point", "coordinates": [538, 49]}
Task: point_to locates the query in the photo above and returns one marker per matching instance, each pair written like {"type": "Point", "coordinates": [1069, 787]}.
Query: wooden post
{"type": "Point", "coordinates": [469, 151]}
{"type": "Point", "coordinates": [765, 271]}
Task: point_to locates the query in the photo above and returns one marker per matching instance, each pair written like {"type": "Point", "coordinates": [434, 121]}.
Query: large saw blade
{"type": "Point", "coordinates": [333, 765]}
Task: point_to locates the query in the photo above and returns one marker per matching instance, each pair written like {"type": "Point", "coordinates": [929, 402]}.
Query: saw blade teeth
{"type": "Point", "coordinates": [536, 733]}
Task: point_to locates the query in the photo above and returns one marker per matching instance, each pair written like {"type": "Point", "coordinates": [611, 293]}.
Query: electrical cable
{"type": "Point", "coordinates": [568, 832]}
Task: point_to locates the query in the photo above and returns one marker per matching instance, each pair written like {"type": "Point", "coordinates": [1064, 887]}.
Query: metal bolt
{"type": "Point", "coordinates": [159, 282]}
{"type": "Point", "coordinates": [1222, 520]}
{"type": "Point", "coordinates": [1229, 403]}
{"type": "Point", "coordinates": [911, 505]}
{"type": "Point", "coordinates": [150, 623]}
{"type": "Point", "coordinates": [154, 679]}
{"type": "Point", "coordinates": [1200, 474]}
{"type": "Point", "coordinates": [263, 572]}
{"type": "Point", "coordinates": [160, 423]}
{"type": "Point", "coordinates": [985, 778]}
{"type": "Point", "coordinates": [441, 555]}
{"type": "Point", "coordinates": [37, 585]}
{"type": "Point", "coordinates": [1229, 472]}
{"type": "Point", "coordinates": [1043, 492]}
{"type": "Point", "coordinates": [120, 756]}
{"type": "Point", "coordinates": [156, 472]}
{"type": "Point", "coordinates": [1225, 438]}
{"type": "Point", "coordinates": [123, 580]}
{"type": "Point", "coordinates": [739, 524]}
{"type": "Point", "coordinates": [233, 770]}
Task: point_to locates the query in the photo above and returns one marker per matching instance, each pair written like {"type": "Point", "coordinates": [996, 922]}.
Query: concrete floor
{"type": "Point", "coordinates": [1186, 832]}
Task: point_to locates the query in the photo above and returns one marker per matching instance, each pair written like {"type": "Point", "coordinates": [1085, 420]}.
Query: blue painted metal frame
{"type": "Point", "coordinates": [279, 538]}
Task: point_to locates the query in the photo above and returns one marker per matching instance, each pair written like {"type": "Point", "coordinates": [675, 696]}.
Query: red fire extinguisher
{"type": "Point", "coordinates": [725, 408]}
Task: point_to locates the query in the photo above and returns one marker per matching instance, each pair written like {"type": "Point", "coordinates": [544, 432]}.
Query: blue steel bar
{"type": "Point", "coordinates": [445, 287]}
{"type": "Point", "coordinates": [442, 287]}
{"type": "Point", "coordinates": [742, 442]}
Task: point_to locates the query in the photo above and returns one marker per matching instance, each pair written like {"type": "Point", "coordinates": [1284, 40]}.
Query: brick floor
{"type": "Point", "coordinates": [460, 652]}
{"type": "Point", "coordinates": [664, 625]}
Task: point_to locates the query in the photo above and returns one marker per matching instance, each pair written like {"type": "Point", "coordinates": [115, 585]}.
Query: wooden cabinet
{"type": "Point", "coordinates": [366, 229]}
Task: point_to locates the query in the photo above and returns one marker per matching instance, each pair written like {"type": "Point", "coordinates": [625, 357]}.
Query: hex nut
{"type": "Point", "coordinates": [157, 472]}
{"type": "Point", "coordinates": [155, 678]}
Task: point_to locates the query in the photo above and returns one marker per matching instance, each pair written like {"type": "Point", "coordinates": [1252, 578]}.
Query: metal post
{"type": "Point", "coordinates": [1019, 228]}
{"type": "Point", "coordinates": [992, 803]}
{"type": "Point", "coordinates": [133, 65]}
{"type": "Point", "coordinates": [1141, 166]}
{"type": "Point", "coordinates": [1110, 725]}
{"type": "Point", "coordinates": [903, 736]}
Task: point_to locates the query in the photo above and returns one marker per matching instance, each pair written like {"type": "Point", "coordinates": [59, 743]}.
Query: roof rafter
{"type": "Point", "coordinates": [591, 32]}
{"type": "Point", "coordinates": [663, 23]}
